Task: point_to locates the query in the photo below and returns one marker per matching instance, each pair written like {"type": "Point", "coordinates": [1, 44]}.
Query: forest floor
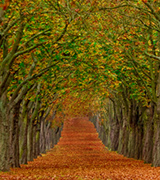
{"type": "Point", "coordinates": [80, 155]}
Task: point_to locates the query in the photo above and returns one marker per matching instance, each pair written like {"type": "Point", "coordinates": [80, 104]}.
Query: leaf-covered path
{"type": "Point", "coordinates": [81, 155]}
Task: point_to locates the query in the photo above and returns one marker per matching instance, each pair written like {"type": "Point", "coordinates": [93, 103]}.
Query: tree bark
{"type": "Point", "coordinates": [4, 135]}
{"type": "Point", "coordinates": [24, 133]}
{"type": "Point", "coordinates": [148, 137]}
{"type": "Point", "coordinates": [14, 137]}
{"type": "Point", "coordinates": [42, 137]}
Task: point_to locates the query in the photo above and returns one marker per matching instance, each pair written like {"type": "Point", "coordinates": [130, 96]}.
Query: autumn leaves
{"type": "Point", "coordinates": [69, 58]}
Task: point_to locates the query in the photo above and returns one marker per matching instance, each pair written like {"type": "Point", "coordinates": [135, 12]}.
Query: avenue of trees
{"type": "Point", "coordinates": [130, 116]}
{"type": "Point", "coordinates": [63, 58]}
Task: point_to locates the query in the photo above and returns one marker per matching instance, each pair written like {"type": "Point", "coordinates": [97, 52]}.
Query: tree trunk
{"type": "Point", "coordinates": [30, 141]}
{"type": "Point", "coordinates": [156, 146]}
{"type": "Point", "coordinates": [24, 133]}
{"type": "Point", "coordinates": [139, 142]}
{"type": "Point", "coordinates": [38, 139]}
{"type": "Point", "coordinates": [34, 141]}
{"type": "Point", "coordinates": [14, 136]}
{"type": "Point", "coordinates": [42, 137]}
{"type": "Point", "coordinates": [4, 136]}
{"type": "Point", "coordinates": [114, 134]}
{"type": "Point", "coordinates": [148, 137]}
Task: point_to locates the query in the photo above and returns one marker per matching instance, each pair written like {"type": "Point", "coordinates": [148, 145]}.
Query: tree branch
{"type": "Point", "coordinates": [27, 50]}
{"type": "Point", "coordinates": [142, 80]}
{"type": "Point", "coordinates": [152, 11]}
{"type": "Point", "coordinates": [33, 37]}
{"type": "Point", "coordinates": [152, 56]}
{"type": "Point", "coordinates": [29, 78]}
{"type": "Point", "coordinates": [9, 58]}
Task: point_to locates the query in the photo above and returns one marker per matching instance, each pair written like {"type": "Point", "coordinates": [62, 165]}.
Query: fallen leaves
{"type": "Point", "coordinates": [80, 155]}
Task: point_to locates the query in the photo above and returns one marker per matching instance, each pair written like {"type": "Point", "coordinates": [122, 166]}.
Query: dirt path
{"type": "Point", "coordinates": [80, 155]}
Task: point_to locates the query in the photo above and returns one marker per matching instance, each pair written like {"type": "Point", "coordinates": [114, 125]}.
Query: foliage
{"type": "Point", "coordinates": [69, 57]}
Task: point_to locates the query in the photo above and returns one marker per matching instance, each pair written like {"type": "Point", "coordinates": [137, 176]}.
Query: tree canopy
{"type": "Point", "coordinates": [71, 57]}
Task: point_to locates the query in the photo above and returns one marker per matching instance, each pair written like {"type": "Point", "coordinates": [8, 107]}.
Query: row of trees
{"type": "Point", "coordinates": [131, 114]}
{"type": "Point", "coordinates": [45, 55]}
{"type": "Point", "coordinates": [62, 58]}
{"type": "Point", "coordinates": [30, 75]}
